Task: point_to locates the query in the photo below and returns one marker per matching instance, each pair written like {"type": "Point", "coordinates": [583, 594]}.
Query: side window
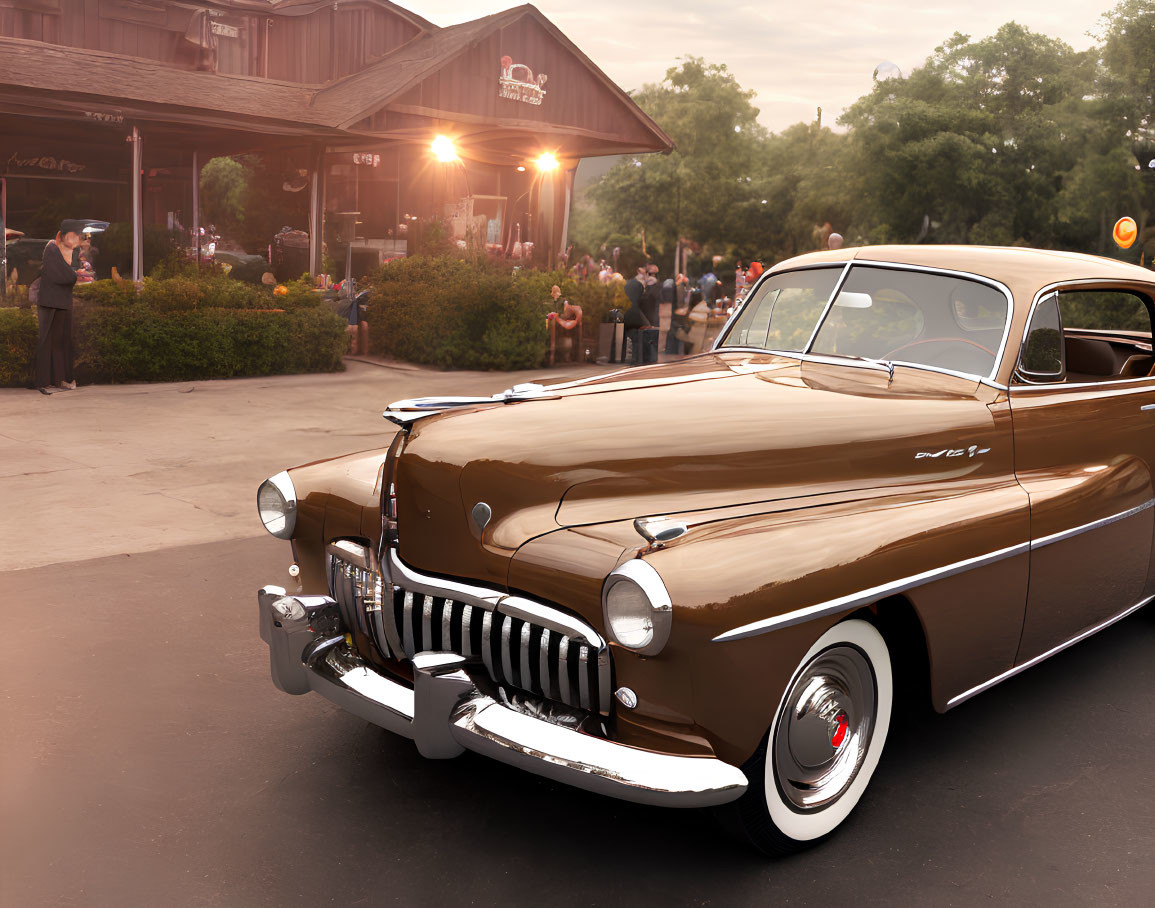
{"type": "Point", "coordinates": [1114, 311]}
{"type": "Point", "coordinates": [1041, 359]}
{"type": "Point", "coordinates": [1106, 335]}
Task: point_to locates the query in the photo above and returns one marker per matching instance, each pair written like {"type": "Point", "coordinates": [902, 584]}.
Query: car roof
{"type": "Point", "coordinates": [1018, 267]}
{"type": "Point", "coordinates": [1024, 272]}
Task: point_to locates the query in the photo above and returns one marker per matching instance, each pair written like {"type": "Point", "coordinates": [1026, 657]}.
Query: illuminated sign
{"type": "Point", "coordinates": [518, 83]}
{"type": "Point", "coordinates": [115, 118]}
{"type": "Point", "coordinates": [367, 158]}
{"type": "Point", "coordinates": [44, 162]}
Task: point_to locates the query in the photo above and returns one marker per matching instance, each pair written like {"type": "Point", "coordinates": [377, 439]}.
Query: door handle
{"type": "Point", "coordinates": [1147, 407]}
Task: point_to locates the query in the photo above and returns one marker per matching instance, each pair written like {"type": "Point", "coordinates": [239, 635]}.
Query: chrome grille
{"type": "Point", "coordinates": [522, 643]}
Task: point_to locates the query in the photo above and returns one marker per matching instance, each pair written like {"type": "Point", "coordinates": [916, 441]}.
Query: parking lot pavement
{"type": "Point", "coordinates": [146, 759]}
{"type": "Point", "coordinates": [109, 469]}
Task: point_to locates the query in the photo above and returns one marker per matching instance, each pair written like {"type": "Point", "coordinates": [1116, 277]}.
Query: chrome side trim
{"type": "Point", "coordinates": [1093, 525]}
{"type": "Point", "coordinates": [1010, 673]}
{"type": "Point", "coordinates": [865, 597]}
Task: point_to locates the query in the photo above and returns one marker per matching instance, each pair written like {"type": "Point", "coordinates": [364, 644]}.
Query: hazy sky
{"type": "Point", "coordinates": [795, 55]}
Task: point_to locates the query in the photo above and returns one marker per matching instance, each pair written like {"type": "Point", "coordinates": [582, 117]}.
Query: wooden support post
{"type": "Point", "coordinates": [569, 178]}
{"type": "Point", "coordinates": [137, 207]}
{"type": "Point", "coordinates": [316, 210]}
{"type": "Point", "coordinates": [196, 204]}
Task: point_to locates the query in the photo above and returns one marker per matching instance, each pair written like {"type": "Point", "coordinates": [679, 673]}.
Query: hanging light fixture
{"type": "Point", "coordinates": [444, 150]}
{"type": "Point", "coordinates": [546, 162]}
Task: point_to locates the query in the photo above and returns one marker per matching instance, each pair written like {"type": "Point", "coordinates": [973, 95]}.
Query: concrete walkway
{"type": "Point", "coordinates": [112, 469]}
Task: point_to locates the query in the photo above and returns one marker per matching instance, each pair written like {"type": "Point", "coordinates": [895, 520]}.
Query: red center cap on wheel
{"type": "Point", "coordinates": [840, 732]}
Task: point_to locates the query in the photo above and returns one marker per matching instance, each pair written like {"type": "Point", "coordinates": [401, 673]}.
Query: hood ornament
{"type": "Point", "coordinates": [657, 531]}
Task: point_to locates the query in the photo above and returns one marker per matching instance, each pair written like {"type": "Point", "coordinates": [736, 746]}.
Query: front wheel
{"type": "Point", "coordinates": [822, 749]}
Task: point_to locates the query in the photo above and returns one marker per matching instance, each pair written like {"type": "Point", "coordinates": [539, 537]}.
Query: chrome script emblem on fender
{"type": "Point", "coordinates": [953, 452]}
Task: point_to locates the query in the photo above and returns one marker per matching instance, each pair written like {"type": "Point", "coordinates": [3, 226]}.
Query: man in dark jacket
{"type": "Point", "coordinates": [651, 296]}
{"type": "Point", "coordinates": [54, 310]}
{"type": "Point", "coordinates": [634, 289]}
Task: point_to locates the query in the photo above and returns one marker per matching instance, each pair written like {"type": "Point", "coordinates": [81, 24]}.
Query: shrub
{"type": "Point", "coordinates": [187, 290]}
{"type": "Point", "coordinates": [19, 333]}
{"type": "Point", "coordinates": [451, 313]}
{"type": "Point", "coordinates": [140, 342]}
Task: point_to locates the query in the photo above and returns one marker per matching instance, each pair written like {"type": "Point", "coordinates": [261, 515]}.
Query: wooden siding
{"type": "Point", "coordinates": [467, 89]}
{"type": "Point", "coordinates": [312, 49]}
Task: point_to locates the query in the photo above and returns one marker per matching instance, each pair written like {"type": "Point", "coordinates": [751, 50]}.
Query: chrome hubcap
{"type": "Point", "coordinates": [825, 729]}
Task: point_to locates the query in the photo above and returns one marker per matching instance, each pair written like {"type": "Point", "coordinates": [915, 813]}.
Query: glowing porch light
{"type": "Point", "coordinates": [444, 150]}
{"type": "Point", "coordinates": [546, 162]}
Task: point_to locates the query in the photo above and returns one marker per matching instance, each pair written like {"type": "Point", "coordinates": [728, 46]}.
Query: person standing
{"type": "Point", "coordinates": [54, 310]}
{"type": "Point", "coordinates": [708, 284]}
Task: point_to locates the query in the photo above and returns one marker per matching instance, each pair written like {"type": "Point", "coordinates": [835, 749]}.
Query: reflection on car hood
{"type": "Point", "coordinates": [711, 431]}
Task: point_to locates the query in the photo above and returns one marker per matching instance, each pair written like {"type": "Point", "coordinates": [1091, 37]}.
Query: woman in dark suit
{"type": "Point", "coordinates": [54, 310]}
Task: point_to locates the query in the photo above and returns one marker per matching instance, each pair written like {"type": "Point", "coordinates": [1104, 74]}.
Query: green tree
{"type": "Point", "coordinates": [693, 191]}
{"type": "Point", "coordinates": [1127, 98]}
{"type": "Point", "coordinates": [970, 147]}
{"type": "Point", "coordinates": [224, 194]}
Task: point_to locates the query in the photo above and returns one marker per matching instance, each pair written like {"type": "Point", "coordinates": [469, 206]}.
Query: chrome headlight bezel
{"type": "Point", "coordinates": [282, 486]}
{"type": "Point", "coordinates": [643, 578]}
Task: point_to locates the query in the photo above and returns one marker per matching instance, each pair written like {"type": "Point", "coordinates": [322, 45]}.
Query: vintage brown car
{"type": "Point", "coordinates": [707, 582]}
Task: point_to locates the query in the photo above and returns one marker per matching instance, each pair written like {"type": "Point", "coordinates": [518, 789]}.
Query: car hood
{"type": "Point", "coordinates": [716, 430]}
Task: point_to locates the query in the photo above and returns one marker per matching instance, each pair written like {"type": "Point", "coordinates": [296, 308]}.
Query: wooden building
{"type": "Point", "coordinates": [386, 121]}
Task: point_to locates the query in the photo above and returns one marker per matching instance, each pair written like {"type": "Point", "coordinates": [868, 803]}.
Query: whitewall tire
{"type": "Point", "coordinates": [824, 744]}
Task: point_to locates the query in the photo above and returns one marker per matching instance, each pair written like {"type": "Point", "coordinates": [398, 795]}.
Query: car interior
{"type": "Point", "coordinates": [1103, 335]}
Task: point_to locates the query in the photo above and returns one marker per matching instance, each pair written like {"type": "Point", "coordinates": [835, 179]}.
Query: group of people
{"type": "Point", "coordinates": [691, 302]}
{"type": "Point", "coordinates": [63, 267]}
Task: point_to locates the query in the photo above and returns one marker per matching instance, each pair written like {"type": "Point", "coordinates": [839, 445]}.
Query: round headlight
{"type": "Point", "coordinates": [637, 608]}
{"type": "Point", "coordinates": [277, 505]}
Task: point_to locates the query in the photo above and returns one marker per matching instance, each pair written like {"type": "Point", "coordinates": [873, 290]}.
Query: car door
{"type": "Point", "coordinates": [1084, 444]}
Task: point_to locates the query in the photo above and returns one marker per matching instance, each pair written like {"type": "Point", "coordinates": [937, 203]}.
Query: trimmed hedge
{"type": "Point", "coordinates": [138, 343]}
{"type": "Point", "coordinates": [183, 329]}
{"type": "Point", "coordinates": [455, 313]}
{"type": "Point", "coordinates": [19, 332]}
{"type": "Point", "coordinates": [451, 313]}
{"type": "Point", "coordinates": [187, 291]}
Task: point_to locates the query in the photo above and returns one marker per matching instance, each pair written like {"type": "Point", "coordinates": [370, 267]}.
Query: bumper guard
{"type": "Point", "coordinates": [445, 714]}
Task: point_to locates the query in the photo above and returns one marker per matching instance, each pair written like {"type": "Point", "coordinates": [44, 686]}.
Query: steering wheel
{"type": "Point", "coordinates": [937, 340]}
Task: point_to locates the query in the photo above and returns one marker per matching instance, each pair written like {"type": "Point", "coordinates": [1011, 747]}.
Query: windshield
{"type": "Point", "coordinates": [886, 314]}
{"type": "Point", "coordinates": [783, 310]}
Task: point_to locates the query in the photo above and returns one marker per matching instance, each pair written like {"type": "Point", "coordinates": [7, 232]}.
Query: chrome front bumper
{"type": "Point", "coordinates": [445, 713]}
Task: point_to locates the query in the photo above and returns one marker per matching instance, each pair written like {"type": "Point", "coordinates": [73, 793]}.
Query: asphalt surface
{"type": "Point", "coordinates": [146, 759]}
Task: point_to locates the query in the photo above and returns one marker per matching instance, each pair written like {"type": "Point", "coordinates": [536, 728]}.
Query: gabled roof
{"type": "Point", "coordinates": [345, 102]}
{"type": "Point", "coordinates": [153, 90]}
{"type": "Point", "coordinates": [304, 7]}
